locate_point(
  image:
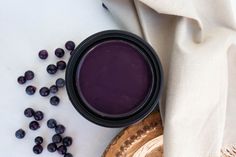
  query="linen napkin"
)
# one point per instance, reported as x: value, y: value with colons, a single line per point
x: 196, y: 43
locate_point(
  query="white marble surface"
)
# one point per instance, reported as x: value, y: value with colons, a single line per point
x: 26, y: 26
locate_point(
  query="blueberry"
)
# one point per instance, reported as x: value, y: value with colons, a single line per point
x: 51, y: 123
x: 60, y: 83
x: 44, y: 91
x: 68, y: 155
x: 53, y: 89
x: 29, y: 112
x: 38, y: 140
x: 59, y: 52
x: 38, y: 115
x: 67, y: 141
x: 61, y: 65
x: 62, y: 150
x: 54, y: 100
x: 60, y: 129
x: 34, y: 125
x: 20, y: 134
x: 51, y: 69
x: 30, y: 90
x: 52, y: 147
x: 70, y: 45
x: 21, y: 80
x: 56, y: 138
x: 29, y: 75
x: 37, y: 149
x: 43, y: 54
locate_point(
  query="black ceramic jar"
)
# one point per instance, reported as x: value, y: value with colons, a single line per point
x: 114, y: 78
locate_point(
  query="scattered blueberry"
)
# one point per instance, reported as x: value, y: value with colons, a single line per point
x: 43, y: 54
x: 29, y: 75
x: 52, y: 147
x: 38, y: 140
x: 20, y: 134
x: 51, y: 69
x: 56, y: 138
x: 29, y: 112
x: 38, y: 115
x: 21, y: 80
x: 62, y: 150
x: 68, y: 155
x: 51, y: 123
x: 70, y: 45
x: 34, y: 125
x: 30, y: 90
x: 60, y: 129
x: 37, y: 149
x: 54, y: 100
x: 67, y: 141
x: 59, y: 52
x: 61, y: 65
x: 60, y: 83
x: 44, y: 91
x: 54, y: 89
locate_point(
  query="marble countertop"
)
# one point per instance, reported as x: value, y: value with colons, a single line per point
x: 26, y: 27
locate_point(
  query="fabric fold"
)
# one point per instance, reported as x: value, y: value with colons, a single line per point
x: 193, y: 39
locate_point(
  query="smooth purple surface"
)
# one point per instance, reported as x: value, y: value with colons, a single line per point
x: 114, y: 78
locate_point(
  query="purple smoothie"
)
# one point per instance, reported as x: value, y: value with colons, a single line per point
x: 114, y: 78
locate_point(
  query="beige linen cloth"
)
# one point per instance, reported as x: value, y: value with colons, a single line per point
x: 196, y: 42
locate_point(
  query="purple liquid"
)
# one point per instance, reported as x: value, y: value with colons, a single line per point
x: 114, y: 78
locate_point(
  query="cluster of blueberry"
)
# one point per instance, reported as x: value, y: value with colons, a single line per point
x: 45, y: 91
x: 59, y: 143
x: 29, y: 75
x: 56, y: 139
x: 51, y: 69
x: 61, y: 65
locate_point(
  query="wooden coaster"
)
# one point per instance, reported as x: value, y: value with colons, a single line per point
x: 141, y: 139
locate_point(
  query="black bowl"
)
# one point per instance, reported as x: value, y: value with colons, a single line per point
x: 108, y: 120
